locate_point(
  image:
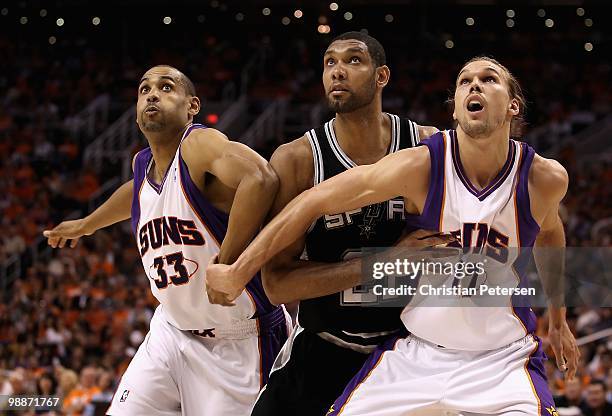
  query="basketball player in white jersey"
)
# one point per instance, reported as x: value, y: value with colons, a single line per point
x: 198, y: 358
x: 477, y: 361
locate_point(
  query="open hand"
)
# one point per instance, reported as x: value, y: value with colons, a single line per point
x: 67, y: 230
x: 565, y: 349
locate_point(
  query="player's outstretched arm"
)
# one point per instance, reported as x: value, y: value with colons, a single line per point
x: 114, y: 209
x: 238, y: 167
x: 355, y: 188
x: 548, y: 182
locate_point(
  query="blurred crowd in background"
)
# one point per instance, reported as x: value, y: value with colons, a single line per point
x: 71, y: 322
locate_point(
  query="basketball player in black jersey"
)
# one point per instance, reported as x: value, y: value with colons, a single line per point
x: 320, y: 270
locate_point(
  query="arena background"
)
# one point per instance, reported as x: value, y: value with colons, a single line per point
x: 71, y: 319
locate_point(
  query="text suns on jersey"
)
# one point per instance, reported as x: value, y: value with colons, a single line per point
x: 170, y: 268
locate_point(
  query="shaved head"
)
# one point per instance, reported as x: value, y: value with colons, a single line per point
x: 181, y: 78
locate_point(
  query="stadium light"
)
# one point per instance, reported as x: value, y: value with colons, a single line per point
x: 322, y: 20
x: 588, y: 46
x: 510, y: 23
x: 549, y: 22
x: 52, y: 40
x: 449, y: 44
x: 60, y: 22
x: 23, y: 20
x: 323, y: 29
x: 389, y: 18
x: 4, y: 11
x: 43, y: 13
x: 510, y: 13
x: 285, y: 20
x: 588, y: 22
x: 239, y: 17
x: 95, y: 21
x: 580, y: 11
x: 212, y: 118
x: 298, y: 14
x: 348, y: 16
x: 333, y: 6
x: 266, y: 11
x: 470, y: 21
x: 541, y: 12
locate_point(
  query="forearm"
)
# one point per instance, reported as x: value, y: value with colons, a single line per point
x: 306, y: 279
x: 289, y: 225
x: 114, y: 209
x: 252, y: 201
x: 549, y: 256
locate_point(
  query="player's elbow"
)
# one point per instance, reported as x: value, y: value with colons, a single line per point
x: 271, y: 278
x: 265, y: 179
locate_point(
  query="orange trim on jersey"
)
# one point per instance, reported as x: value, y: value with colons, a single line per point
x: 512, y: 306
x: 518, y: 232
x: 516, y: 213
x: 367, y: 376
x: 443, y: 181
x: 261, y: 367
x: 535, y: 393
x: 195, y: 210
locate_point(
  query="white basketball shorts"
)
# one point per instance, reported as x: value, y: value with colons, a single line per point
x: 410, y: 376
x: 177, y: 372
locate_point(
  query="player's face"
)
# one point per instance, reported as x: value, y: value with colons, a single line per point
x: 349, y: 76
x: 162, y: 100
x: 482, y: 101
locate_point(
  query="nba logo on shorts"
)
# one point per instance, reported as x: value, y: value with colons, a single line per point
x: 124, y: 396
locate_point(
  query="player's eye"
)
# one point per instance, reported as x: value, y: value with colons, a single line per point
x: 166, y: 87
x: 354, y: 60
x: 490, y: 79
x: 330, y: 61
x: 144, y: 89
x: 463, y: 81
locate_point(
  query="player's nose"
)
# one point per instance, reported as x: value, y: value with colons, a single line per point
x: 338, y: 73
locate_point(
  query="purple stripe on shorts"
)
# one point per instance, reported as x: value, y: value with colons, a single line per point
x: 363, y: 374
x: 537, y: 374
x: 140, y: 170
x: 273, y: 333
x: 430, y: 217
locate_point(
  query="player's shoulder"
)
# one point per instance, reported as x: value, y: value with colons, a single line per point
x: 294, y: 159
x: 426, y: 131
x: 548, y: 178
x: 296, y: 153
x: 207, y: 137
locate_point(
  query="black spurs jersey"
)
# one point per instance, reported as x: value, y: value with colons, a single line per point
x: 340, y: 318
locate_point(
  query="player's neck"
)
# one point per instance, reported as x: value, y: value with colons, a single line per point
x: 482, y: 158
x: 364, y: 134
x: 163, y: 147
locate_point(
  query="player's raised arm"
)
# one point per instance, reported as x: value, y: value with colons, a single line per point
x: 358, y: 187
x: 115, y: 209
x: 550, y: 181
x: 240, y: 168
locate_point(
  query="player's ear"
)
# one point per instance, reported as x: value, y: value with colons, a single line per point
x: 514, y: 107
x: 194, y: 105
x: 383, y: 73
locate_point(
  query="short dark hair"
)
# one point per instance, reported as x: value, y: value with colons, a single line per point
x: 375, y: 49
x: 598, y: 382
x: 183, y: 80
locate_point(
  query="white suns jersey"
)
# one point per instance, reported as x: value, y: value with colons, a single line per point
x: 177, y: 232
x: 495, y: 221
